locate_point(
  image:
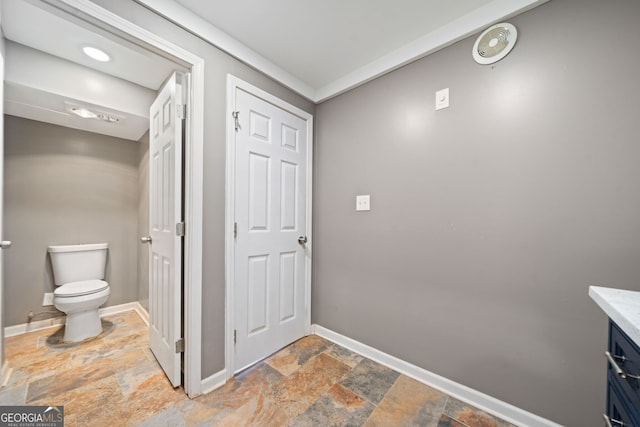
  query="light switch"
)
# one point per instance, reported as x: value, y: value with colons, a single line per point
x: 363, y: 203
x: 442, y: 99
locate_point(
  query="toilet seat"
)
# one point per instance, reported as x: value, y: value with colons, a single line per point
x: 84, y: 287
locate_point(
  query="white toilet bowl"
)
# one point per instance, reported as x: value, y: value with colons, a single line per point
x: 80, y: 301
x: 78, y: 271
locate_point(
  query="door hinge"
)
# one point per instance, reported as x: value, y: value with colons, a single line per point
x: 180, y: 346
x: 180, y: 228
x: 235, y: 336
x: 235, y: 230
x: 181, y: 110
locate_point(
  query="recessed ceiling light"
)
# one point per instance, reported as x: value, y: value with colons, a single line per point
x: 95, y: 53
x: 84, y: 113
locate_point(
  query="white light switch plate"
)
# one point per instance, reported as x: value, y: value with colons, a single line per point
x: 442, y: 99
x: 48, y: 299
x: 363, y: 203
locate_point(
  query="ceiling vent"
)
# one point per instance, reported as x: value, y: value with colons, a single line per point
x: 494, y: 43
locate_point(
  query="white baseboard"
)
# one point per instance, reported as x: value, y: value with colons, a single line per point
x: 121, y: 308
x: 482, y: 401
x: 5, y: 373
x: 11, y: 331
x: 142, y: 312
x: 214, y: 381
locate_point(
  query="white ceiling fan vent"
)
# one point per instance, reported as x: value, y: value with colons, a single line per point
x: 494, y: 43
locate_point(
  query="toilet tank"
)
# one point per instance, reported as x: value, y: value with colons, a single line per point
x: 73, y: 263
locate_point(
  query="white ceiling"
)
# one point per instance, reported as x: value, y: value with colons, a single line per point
x: 321, y: 41
x: 38, y: 28
x: 47, y: 72
x: 323, y: 48
x: 43, y: 87
x: 318, y: 49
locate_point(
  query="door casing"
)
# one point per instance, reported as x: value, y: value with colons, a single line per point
x: 193, y: 171
x: 4, y: 367
x: 234, y: 83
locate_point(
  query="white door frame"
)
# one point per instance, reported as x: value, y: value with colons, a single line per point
x: 193, y: 176
x: 234, y: 83
x: 4, y: 366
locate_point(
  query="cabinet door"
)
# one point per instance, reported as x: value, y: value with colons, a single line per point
x: 617, y: 406
x: 627, y: 356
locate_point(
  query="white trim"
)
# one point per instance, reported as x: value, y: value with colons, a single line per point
x: 482, y: 401
x: 194, y: 189
x: 234, y: 83
x: 193, y: 180
x: 229, y: 201
x: 2, y: 184
x: 444, y: 36
x: 5, y: 374
x: 189, y: 21
x: 142, y: 312
x: 23, y: 328
x: 436, y: 40
x: 121, y: 308
x: 213, y: 382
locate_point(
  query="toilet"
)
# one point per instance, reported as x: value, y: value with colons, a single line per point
x: 78, y: 272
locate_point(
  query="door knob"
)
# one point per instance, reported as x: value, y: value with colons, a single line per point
x: 302, y: 240
x: 146, y: 239
x: 5, y: 244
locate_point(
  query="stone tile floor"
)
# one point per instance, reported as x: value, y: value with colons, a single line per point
x: 114, y: 380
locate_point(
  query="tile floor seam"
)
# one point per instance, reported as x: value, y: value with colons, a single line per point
x: 143, y: 394
x: 444, y: 407
x: 457, y: 420
x: 356, y: 393
x: 24, y: 394
x: 334, y: 358
x: 383, y: 396
x: 344, y: 375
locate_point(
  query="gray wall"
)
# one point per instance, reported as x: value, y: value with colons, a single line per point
x: 143, y: 220
x: 64, y: 186
x: 489, y: 219
x: 217, y: 66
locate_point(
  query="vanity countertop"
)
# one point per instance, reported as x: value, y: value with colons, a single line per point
x: 623, y: 307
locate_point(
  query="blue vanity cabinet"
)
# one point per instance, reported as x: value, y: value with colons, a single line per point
x: 623, y: 379
x: 617, y: 413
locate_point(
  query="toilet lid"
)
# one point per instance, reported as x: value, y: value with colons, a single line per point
x: 85, y: 287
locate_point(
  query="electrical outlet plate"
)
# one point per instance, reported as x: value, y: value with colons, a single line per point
x: 48, y: 299
x: 363, y: 203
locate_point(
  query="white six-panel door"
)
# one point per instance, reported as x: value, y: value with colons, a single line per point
x: 270, y: 215
x: 165, y: 188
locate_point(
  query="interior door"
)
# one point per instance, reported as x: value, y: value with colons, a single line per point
x: 165, y: 206
x: 269, y: 253
x: 2, y: 243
